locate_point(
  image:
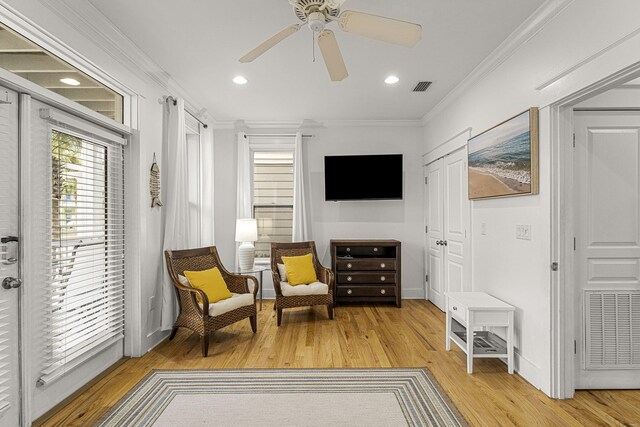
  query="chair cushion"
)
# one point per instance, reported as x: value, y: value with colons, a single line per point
x: 315, y: 288
x: 184, y: 281
x: 229, y: 304
x: 283, y: 272
x: 300, y: 269
x: 211, y: 282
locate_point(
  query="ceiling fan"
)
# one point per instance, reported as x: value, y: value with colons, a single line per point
x: 317, y: 14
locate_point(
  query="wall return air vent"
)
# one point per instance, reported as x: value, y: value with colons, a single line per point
x: 612, y: 329
x: 422, y: 86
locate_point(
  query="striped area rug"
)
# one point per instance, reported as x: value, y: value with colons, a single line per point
x: 286, y: 397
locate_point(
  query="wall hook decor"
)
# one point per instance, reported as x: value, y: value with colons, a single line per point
x: 154, y: 183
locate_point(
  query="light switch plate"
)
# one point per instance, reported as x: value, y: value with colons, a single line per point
x: 483, y: 228
x: 523, y: 231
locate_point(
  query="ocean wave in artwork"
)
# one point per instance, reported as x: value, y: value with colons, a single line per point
x: 510, y: 159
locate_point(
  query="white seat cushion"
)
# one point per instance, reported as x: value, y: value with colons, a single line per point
x: 282, y: 270
x: 229, y: 304
x: 315, y: 288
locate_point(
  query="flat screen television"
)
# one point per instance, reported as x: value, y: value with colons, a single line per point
x: 366, y: 177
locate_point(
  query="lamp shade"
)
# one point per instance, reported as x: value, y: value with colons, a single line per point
x: 246, y: 230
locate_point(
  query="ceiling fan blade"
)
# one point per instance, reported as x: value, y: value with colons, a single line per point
x: 265, y: 46
x: 332, y: 56
x: 380, y: 28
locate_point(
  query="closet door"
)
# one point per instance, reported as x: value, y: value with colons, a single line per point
x: 447, y: 216
x: 434, y: 179
x: 456, y: 222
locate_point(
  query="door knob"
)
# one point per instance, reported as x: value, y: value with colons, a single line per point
x: 439, y: 242
x: 11, y: 283
x: 444, y: 242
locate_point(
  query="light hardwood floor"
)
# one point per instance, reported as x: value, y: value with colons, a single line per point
x: 363, y: 337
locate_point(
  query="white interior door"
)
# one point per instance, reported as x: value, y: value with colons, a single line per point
x: 9, y: 254
x: 456, y: 222
x: 434, y: 174
x: 607, y: 178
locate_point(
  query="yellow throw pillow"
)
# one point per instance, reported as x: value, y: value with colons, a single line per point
x: 211, y: 282
x: 300, y: 270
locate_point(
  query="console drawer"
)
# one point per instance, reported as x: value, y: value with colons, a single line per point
x: 365, y: 265
x: 366, y: 291
x: 372, y: 277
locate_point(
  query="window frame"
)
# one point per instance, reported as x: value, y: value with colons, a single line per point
x: 46, y: 41
x: 271, y: 145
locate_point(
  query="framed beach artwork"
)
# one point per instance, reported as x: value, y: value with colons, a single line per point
x: 503, y: 161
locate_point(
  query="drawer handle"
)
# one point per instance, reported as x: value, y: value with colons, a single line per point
x: 348, y: 249
x: 349, y: 265
x: 383, y: 265
x: 375, y: 249
x: 349, y: 291
x: 382, y: 291
x: 455, y: 308
x: 383, y: 278
x: 349, y: 278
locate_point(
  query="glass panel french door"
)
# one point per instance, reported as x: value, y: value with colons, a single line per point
x: 9, y: 261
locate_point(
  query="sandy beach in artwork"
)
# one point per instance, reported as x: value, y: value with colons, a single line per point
x: 482, y: 183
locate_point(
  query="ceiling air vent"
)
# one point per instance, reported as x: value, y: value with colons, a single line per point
x: 422, y: 87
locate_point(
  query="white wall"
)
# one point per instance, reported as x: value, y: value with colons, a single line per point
x: 585, y: 42
x: 401, y: 220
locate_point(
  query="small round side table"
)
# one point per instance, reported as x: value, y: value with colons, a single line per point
x: 256, y: 271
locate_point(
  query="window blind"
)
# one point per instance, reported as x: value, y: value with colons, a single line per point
x: 85, y: 295
x: 272, y: 198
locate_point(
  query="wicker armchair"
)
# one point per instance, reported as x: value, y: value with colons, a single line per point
x: 325, y: 275
x: 197, y: 319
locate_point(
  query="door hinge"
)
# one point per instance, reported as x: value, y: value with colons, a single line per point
x: 426, y: 180
x: 426, y: 228
x: 574, y: 244
x: 574, y: 140
x: 554, y: 266
x: 575, y: 347
x: 426, y: 278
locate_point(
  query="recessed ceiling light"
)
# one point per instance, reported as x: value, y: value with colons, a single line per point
x: 391, y: 80
x: 69, y: 81
x: 239, y: 80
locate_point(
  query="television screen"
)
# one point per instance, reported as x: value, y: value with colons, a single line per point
x: 369, y: 177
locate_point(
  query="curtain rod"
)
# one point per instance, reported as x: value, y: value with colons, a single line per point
x: 274, y: 135
x: 174, y: 101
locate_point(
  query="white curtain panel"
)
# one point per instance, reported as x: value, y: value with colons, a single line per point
x: 243, y: 203
x: 244, y: 197
x: 301, y: 229
x: 176, y: 203
x: 208, y: 237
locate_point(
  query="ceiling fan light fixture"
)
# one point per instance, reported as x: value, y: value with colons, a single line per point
x: 240, y: 80
x: 317, y: 22
x: 391, y: 80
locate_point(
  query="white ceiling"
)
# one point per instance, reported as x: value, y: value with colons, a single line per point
x: 199, y: 42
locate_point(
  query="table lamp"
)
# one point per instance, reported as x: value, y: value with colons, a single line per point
x: 246, y: 234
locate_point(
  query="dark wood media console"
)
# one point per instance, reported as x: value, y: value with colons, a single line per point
x: 366, y: 271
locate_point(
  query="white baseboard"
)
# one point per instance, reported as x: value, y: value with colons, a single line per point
x: 155, y: 338
x: 406, y: 294
x: 413, y: 293
x: 529, y: 371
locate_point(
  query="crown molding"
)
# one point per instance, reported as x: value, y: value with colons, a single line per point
x: 311, y: 124
x: 85, y: 18
x: 525, y: 31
